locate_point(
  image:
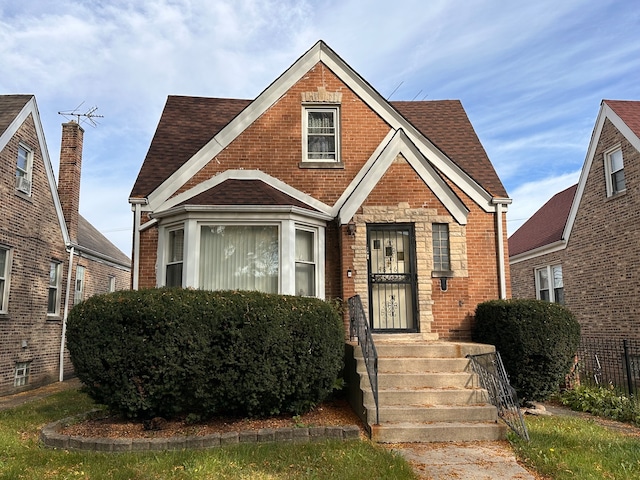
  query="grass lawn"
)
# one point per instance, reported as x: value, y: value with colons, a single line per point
x: 22, y: 457
x: 578, y: 448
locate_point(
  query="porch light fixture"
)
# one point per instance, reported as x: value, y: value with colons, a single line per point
x: 351, y: 229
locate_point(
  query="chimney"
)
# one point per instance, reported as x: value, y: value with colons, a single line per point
x: 69, y: 175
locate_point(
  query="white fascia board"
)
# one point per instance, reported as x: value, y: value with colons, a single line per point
x: 319, y: 52
x: 401, y: 144
x: 538, y: 252
x: 32, y: 108
x: 245, y: 175
x: 244, y: 212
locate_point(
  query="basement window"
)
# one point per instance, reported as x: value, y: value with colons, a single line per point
x: 21, y: 377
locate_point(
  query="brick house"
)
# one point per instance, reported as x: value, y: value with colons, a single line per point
x: 41, y: 233
x: 321, y: 187
x: 581, y: 247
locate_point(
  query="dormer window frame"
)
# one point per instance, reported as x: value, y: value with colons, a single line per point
x: 614, y: 171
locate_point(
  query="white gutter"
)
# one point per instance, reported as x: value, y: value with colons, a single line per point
x: 502, y: 277
x: 66, y: 313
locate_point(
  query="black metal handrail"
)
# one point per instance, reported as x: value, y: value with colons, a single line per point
x: 494, y: 379
x: 359, y: 328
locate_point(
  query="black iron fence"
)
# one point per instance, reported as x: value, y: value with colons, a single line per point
x: 608, y: 361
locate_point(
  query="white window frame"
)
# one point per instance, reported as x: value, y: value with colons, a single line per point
x: 169, y: 261
x: 24, y: 176
x: 609, y: 172
x: 287, y: 223
x: 21, y: 374
x: 112, y: 284
x: 306, y: 110
x: 549, y: 269
x: 58, y: 277
x: 78, y: 293
x: 5, y: 279
x: 438, y: 259
x: 314, y: 260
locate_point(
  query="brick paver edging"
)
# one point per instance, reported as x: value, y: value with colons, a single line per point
x: 51, y: 438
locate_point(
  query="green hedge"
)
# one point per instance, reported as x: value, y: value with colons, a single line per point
x: 165, y: 352
x: 536, y: 340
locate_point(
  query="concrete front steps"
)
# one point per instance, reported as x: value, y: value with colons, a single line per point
x: 426, y: 392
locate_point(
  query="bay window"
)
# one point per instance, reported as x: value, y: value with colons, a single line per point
x: 175, y: 253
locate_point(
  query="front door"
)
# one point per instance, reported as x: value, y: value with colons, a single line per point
x: 392, y: 277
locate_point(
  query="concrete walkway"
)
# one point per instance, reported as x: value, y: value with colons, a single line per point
x: 433, y: 461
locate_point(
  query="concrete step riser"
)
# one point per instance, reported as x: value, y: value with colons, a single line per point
x: 434, y: 414
x: 419, y: 380
x: 444, y: 350
x: 418, y: 365
x: 426, y: 397
x: 447, y: 432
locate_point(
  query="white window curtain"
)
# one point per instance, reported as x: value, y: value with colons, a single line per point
x: 239, y: 258
x: 321, y: 136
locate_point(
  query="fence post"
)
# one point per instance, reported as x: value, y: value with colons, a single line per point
x: 627, y: 361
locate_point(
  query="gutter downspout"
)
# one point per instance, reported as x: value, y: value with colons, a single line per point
x: 137, y: 209
x: 63, y: 337
x: 502, y: 276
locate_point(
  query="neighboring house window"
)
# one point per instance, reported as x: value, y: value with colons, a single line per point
x: 5, y: 261
x: 21, y: 376
x: 78, y: 294
x: 239, y: 257
x: 614, y: 168
x: 441, y: 247
x: 112, y: 284
x: 175, y: 259
x: 549, y: 284
x: 23, y: 169
x: 305, y: 263
x: 322, y: 134
x: 53, y: 303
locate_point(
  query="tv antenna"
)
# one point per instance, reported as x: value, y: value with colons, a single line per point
x: 80, y: 118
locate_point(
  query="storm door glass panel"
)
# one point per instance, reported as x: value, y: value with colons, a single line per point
x: 239, y: 258
x: 391, y: 279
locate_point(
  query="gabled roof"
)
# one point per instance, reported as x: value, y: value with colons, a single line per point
x: 176, y: 153
x: 14, y: 110
x: 545, y: 227
x: 527, y: 242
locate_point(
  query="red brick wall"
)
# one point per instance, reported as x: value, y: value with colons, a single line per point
x: 29, y: 226
x: 69, y: 177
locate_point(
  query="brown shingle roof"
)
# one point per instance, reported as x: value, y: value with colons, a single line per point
x: 446, y: 124
x: 245, y: 192
x: 188, y: 123
x: 10, y: 107
x: 92, y: 239
x: 628, y: 111
x: 545, y: 226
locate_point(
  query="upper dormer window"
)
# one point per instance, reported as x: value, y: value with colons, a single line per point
x: 23, y: 169
x: 614, y: 169
x: 321, y: 134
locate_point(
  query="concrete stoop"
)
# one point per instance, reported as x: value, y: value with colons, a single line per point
x: 426, y: 392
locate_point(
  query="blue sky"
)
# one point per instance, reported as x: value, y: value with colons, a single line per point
x: 530, y: 75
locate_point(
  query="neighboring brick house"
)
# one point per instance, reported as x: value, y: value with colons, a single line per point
x: 581, y: 248
x: 40, y: 232
x: 321, y: 187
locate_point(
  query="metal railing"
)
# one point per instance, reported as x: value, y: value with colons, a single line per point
x: 610, y: 362
x: 493, y: 378
x: 359, y: 328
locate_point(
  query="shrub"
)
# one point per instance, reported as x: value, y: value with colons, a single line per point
x: 602, y: 401
x: 164, y: 352
x: 536, y: 340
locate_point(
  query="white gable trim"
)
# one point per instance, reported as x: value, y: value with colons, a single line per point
x: 538, y: 252
x: 401, y: 144
x: 30, y: 108
x: 605, y: 113
x: 245, y: 175
x: 320, y: 52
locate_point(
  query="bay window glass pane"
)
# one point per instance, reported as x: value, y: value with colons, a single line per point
x: 176, y: 246
x: 304, y: 246
x: 305, y: 279
x: 239, y: 258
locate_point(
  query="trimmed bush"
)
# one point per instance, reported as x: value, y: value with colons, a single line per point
x: 537, y: 341
x: 165, y: 352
